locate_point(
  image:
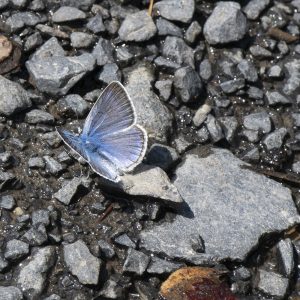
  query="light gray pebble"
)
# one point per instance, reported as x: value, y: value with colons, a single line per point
x: 7, y: 202
x: 16, y: 249
x: 275, y: 98
x: 103, y: 52
x: 214, y: 128
x: 68, y: 14
x: 109, y: 73
x: 38, y: 116
x: 166, y: 28
x: 95, y: 24
x: 192, y: 32
x: 72, y: 106
x: 52, y: 165
x: 81, y: 40
x: 248, y: 70
x: 10, y: 293
x: 136, y: 262
x: 274, y: 140
x: 165, y: 88
x: 258, y: 121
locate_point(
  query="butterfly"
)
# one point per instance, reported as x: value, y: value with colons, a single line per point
x: 111, y: 141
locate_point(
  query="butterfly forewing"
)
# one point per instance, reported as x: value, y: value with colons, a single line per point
x: 112, y: 112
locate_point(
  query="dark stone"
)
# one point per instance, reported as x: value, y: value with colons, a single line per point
x: 37, y: 116
x: 72, y: 106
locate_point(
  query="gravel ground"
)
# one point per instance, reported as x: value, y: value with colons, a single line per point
x: 215, y: 84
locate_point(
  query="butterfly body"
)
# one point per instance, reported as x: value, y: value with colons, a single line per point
x: 111, y: 141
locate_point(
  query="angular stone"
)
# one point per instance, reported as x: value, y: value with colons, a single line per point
x: 178, y: 51
x: 231, y: 86
x: 48, y: 49
x: 272, y: 284
x: 7, y: 202
x: 72, y: 106
x: 69, y: 190
x: 275, y: 98
x: 109, y: 73
x: 229, y: 125
x: 137, y: 27
x: 136, y: 262
x: 13, y: 98
x: 151, y: 113
x: 68, y: 14
x: 248, y: 70
x: 260, y: 52
x: 254, y: 8
x: 34, y: 271
x: 103, y: 52
x: 224, y: 201
x: 187, y: 84
x: 192, y: 32
x: 174, y: 10
x: 82, y: 263
x: 81, y: 40
x: 95, y: 24
x: 57, y: 74
x: 37, y: 116
x: 165, y: 88
x: 165, y: 27
x: 274, y: 140
x: 258, y: 121
x: 16, y: 249
x: 226, y: 24
x: 163, y: 266
x: 10, y: 293
x: 286, y: 259
x: 293, y: 82
x: 214, y: 128
x: 52, y: 165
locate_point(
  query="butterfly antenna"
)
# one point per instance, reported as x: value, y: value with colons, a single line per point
x: 150, y: 7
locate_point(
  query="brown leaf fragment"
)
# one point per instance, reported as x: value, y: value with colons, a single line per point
x: 282, y: 35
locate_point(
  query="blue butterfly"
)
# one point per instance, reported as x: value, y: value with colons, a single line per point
x: 111, y: 141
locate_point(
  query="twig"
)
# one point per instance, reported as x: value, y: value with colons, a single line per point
x: 150, y: 7
x: 106, y: 212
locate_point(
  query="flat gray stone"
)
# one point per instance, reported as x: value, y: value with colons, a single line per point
x: 254, y: 8
x: 10, y: 293
x: 293, y: 82
x: 274, y: 140
x: 148, y: 182
x: 258, y: 121
x: 13, y: 97
x: 34, y: 271
x: 137, y: 27
x: 68, y: 14
x: 226, y: 24
x: 229, y: 206
x: 38, y: 116
x: 50, y: 48
x: 285, y: 256
x: 16, y: 249
x: 136, y: 262
x: 103, y: 52
x: 275, y: 98
x: 175, y: 10
x: 82, y: 263
x: 162, y: 266
x: 57, y: 74
x: 151, y: 113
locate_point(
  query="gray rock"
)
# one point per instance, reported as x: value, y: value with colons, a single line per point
x: 37, y: 116
x: 231, y: 86
x: 203, y: 134
x: 6, y: 179
x: 52, y: 297
x: 136, y: 262
x: 162, y: 156
x: 95, y: 24
x: 19, y: 3
x: 214, y: 128
x: 68, y: 191
x: 242, y: 273
x: 275, y: 72
x: 272, y: 284
x: 64, y: 158
x: 296, y: 119
x: 57, y: 74
x: 205, y: 70
x: 68, y: 14
x: 162, y: 266
x: 103, y: 52
x: 251, y: 135
x: 3, y: 266
x: 106, y: 249
x: 124, y: 240
x: 52, y: 31
x: 248, y: 70
x: 275, y: 98
x: 83, y: 4
x: 109, y: 73
x: 166, y: 64
x: 52, y: 139
x: 285, y: 256
x: 182, y: 144
x: 293, y: 82
x: 151, y: 113
x: 274, y: 140
x: 174, y: 10
x: 165, y: 88
x: 33, y: 41
x: 178, y: 51
x: 165, y: 27
x: 229, y: 125
x: 149, y: 182
x: 137, y: 27
x: 6, y: 159
x: 81, y: 39
x: 3, y: 4
x: 16, y: 249
x: 36, y: 5
x: 7, y: 202
x: 254, y: 8
x: 258, y: 121
x: 237, y: 207
x: 260, y: 52
x: 187, y: 83
x: 114, y: 287
x: 82, y: 263
x: 34, y: 271
x: 10, y: 293
x: 255, y: 93
x: 13, y: 98
x: 296, y: 167
x: 201, y: 114
x: 48, y: 49
x: 20, y: 19
x: 72, y: 106
x: 36, y: 235
x: 52, y: 165
x: 226, y: 24
x: 192, y: 32
x: 41, y: 216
